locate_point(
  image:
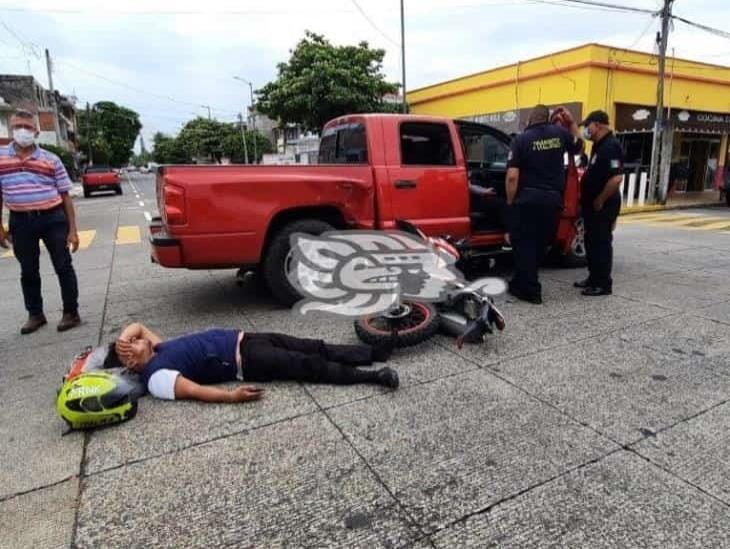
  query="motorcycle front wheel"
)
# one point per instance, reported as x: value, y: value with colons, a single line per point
x: 413, y: 322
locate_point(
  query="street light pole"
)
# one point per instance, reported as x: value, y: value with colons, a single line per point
x: 253, y: 117
x: 403, y: 54
x: 209, y: 111
x: 657, y: 186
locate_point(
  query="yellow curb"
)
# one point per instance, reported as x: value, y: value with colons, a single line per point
x: 663, y: 207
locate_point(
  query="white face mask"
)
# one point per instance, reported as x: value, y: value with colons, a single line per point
x: 23, y: 137
x: 586, y: 132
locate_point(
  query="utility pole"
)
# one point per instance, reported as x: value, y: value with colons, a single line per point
x: 243, y: 138
x: 88, y: 132
x: 252, y: 113
x: 403, y: 54
x: 54, y: 106
x: 209, y: 111
x: 656, y: 185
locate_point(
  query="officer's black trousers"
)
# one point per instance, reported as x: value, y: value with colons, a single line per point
x: 533, y: 227
x: 268, y: 357
x: 599, y: 242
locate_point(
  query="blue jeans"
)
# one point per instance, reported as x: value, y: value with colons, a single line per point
x: 27, y: 230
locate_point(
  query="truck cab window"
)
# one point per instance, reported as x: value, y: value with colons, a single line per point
x: 485, y: 150
x: 426, y: 144
x: 344, y: 144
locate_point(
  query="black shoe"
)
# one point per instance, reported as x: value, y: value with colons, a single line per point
x: 388, y: 377
x: 33, y: 323
x: 596, y: 291
x: 585, y: 283
x: 530, y: 298
x: 383, y: 349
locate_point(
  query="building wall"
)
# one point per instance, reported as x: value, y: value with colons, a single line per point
x: 597, y: 76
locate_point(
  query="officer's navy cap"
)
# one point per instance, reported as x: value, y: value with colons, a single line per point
x: 596, y: 116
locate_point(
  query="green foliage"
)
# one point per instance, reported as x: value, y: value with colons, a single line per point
x: 111, y: 130
x: 141, y: 159
x: 234, y: 149
x: 65, y: 156
x: 321, y: 81
x: 209, y: 140
x: 169, y: 150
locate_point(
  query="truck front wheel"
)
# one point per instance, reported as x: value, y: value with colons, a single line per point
x: 274, y: 264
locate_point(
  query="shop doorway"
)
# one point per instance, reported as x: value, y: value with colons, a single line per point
x: 699, y: 155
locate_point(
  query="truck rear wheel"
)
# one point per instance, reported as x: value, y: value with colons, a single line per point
x: 576, y: 257
x: 274, y: 264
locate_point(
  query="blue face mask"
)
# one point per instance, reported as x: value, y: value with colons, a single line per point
x: 586, y: 132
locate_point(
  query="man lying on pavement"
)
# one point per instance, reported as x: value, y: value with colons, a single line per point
x: 185, y: 367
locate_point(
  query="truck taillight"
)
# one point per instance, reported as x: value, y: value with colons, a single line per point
x: 174, y: 204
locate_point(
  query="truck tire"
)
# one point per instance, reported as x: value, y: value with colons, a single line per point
x: 274, y: 264
x: 420, y: 324
x: 576, y: 257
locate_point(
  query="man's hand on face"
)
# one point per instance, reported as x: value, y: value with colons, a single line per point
x: 246, y: 393
x: 124, y: 351
x: 73, y: 241
x: 5, y: 240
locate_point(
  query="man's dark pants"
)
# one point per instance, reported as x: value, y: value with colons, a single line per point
x: 27, y: 230
x: 533, y: 223
x: 268, y: 357
x: 599, y: 241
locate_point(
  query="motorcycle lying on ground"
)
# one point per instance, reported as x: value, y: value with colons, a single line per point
x: 467, y: 311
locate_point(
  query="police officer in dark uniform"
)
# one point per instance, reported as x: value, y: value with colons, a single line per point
x: 600, y: 202
x: 535, y: 184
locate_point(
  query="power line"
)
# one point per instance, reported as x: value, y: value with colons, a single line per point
x: 608, y: 5
x: 373, y: 25
x: 706, y: 28
x: 81, y: 11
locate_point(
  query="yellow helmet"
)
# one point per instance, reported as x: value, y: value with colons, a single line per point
x: 94, y: 399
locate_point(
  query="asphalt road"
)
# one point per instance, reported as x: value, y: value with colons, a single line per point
x: 588, y: 423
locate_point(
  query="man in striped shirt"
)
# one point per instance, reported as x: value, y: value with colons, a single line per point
x: 35, y: 189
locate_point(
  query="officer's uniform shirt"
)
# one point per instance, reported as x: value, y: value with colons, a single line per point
x: 538, y: 153
x: 607, y: 161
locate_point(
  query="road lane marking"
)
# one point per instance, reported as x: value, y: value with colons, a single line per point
x: 661, y: 218
x: 692, y: 222
x: 141, y: 203
x: 714, y: 226
x: 129, y: 234
x: 148, y: 216
x: 85, y: 239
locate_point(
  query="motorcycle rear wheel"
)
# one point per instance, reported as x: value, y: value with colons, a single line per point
x: 414, y: 323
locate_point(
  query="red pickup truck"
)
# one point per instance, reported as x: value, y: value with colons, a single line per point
x: 373, y: 169
x: 100, y: 178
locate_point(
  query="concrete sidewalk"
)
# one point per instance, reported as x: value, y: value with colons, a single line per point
x: 587, y: 423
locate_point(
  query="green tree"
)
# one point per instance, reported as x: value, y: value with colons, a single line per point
x: 111, y: 130
x: 204, y: 138
x: 233, y: 146
x: 169, y: 150
x: 321, y: 81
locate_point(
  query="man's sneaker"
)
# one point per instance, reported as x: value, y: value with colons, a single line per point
x: 585, y: 283
x: 595, y: 291
x: 68, y: 321
x: 388, y: 377
x: 33, y: 323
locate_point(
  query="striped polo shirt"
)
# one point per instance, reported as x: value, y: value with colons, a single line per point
x: 35, y: 183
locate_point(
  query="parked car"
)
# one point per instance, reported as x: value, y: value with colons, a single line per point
x: 100, y: 178
x: 373, y: 170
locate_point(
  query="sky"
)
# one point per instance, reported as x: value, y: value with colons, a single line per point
x: 166, y: 59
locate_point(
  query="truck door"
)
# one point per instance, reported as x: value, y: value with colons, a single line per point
x: 428, y: 182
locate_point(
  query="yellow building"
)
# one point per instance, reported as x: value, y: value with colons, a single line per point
x: 621, y: 82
